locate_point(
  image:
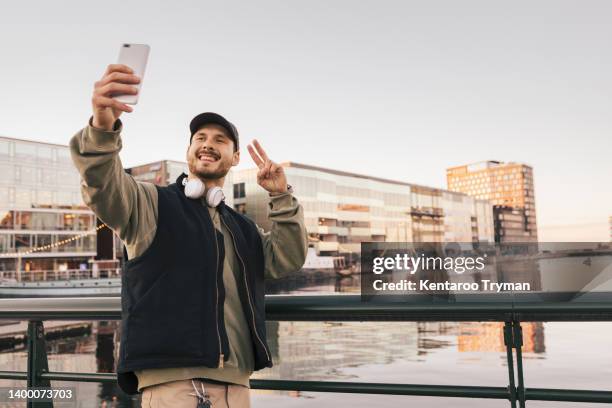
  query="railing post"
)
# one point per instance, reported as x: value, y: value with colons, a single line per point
x: 518, y: 345
x: 509, y: 356
x: 37, y: 361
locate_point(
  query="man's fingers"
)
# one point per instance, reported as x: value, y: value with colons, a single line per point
x: 260, y: 150
x: 260, y: 174
x: 118, y: 77
x: 258, y: 162
x: 100, y: 101
x: 267, y: 166
x: 115, y: 88
x: 118, y: 68
x: 264, y: 171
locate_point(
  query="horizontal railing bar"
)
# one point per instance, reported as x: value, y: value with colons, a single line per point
x: 325, y: 308
x: 80, y: 377
x: 544, y: 394
x: 350, y: 307
x: 14, y: 375
x: 383, y: 388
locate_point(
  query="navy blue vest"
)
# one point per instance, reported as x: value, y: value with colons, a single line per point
x: 172, y: 295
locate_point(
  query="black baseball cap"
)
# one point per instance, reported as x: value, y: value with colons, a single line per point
x: 211, y: 117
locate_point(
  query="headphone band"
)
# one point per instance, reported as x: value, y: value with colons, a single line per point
x: 196, y: 189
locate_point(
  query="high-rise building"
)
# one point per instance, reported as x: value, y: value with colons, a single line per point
x: 343, y: 209
x: 509, y: 186
x: 41, y: 207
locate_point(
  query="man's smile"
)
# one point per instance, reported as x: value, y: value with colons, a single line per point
x: 208, y: 157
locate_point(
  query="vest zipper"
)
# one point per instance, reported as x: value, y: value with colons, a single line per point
x: 247, y: 288
x: 220, y: 365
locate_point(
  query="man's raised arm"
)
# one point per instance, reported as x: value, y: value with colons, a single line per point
x: 286, y: 244
x: 125, y: 205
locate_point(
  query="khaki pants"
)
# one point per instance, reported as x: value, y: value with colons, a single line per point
x: 177, y: 394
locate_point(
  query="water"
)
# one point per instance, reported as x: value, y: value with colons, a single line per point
x: 556, y: 355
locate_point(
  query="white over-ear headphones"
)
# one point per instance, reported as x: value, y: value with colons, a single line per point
x: 195, y: 189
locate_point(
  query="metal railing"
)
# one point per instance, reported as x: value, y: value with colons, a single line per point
x: 332, y: 308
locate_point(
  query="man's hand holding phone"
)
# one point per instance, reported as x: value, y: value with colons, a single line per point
x: 118, y: 79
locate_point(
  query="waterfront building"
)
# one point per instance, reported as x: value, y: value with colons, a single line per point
x: 41, y: 206
x: 510, y: 187
x: 343, y: 209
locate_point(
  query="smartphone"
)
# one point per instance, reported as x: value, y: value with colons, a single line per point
x: 134, y: 56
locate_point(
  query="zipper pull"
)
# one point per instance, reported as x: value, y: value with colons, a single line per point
x: 221, y: 360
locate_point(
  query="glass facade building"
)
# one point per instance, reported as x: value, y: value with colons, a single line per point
x: 41, y: 206
x: 343, y: 209
x: 509, y: 186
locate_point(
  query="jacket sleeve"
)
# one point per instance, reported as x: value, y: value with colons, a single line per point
x: 286, y: 244
x: 127, y: 206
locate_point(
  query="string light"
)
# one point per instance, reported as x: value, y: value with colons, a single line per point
x: 54, y: 245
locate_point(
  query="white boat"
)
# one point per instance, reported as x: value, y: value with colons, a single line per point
x: 61, y: 288
x: 62, y: 283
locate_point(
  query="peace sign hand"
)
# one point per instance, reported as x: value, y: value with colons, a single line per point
x: 270, y: 176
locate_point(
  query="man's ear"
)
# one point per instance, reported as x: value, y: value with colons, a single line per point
x: 236, y: 158
x: 187, y: 153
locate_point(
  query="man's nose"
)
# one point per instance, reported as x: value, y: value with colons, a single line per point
x: 206, y: 145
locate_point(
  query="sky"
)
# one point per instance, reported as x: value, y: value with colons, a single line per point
x: 394, y: 89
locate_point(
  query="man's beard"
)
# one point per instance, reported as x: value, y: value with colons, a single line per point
x: 207, y: 174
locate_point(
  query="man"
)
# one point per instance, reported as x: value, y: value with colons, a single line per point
x: 193, y: 318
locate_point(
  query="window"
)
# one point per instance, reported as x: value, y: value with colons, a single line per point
x: 5, y: 148
x: 68, y: 177
x: 22, y: 241
x: 6, y: 172
x: 4, y: 197
x: 84, y: 222
x: 48, y: 177
x: 45, y: 153
x: 23, y: 197
x: 6, y: 243
x: 44, y: 198
x: 63, y: 198
x: 239, y: 190
x: 25, y: 150
x: 42, y: 240
x: 63, y: 155
x: 6, y: 220
x: 69, y: 221
x: 44, y: 221
x: 24, y: 220
x: 28, y: 175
